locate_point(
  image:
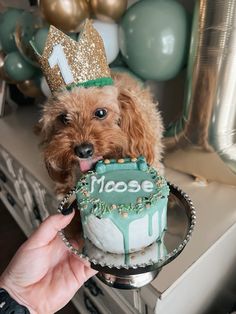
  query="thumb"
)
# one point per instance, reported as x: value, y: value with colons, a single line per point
x: 48, y: 230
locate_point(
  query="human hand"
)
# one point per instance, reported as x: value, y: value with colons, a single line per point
x: 44, y: 275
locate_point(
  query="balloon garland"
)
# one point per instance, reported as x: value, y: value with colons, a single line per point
x: 153, y: 37
x: 139, y: 40
x: 148, y: 40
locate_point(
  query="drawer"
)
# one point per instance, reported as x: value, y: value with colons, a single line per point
x: 2, y: 160
x: 6, y: 181
x: 131, y: 296
x: 29, y: 215
x: 16, y: 212
x: 87, y: 304
x: 29, y: 199
x: 106, y: 296
x: 46, y: 203
x: 7, y: 162
x: 12, y: 185
x: 149, y: 297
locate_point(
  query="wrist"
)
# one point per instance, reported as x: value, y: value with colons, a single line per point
x: 14, y: 296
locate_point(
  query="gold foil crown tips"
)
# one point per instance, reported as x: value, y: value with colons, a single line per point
x: 67, y: 63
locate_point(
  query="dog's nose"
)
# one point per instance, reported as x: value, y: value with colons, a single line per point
x: 84, y: 150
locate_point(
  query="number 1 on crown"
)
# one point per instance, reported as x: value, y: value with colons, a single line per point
x: 58, y: 57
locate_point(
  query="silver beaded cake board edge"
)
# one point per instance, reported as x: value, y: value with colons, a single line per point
x: 134, y: 275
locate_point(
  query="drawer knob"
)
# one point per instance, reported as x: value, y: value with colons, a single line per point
x: 93, y: 288
x: 3, y: 178
x: 11, y: 199
x: 90, y: 305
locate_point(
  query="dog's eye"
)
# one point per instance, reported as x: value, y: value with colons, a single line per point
x: 100, y: 113
x: 64, y: 118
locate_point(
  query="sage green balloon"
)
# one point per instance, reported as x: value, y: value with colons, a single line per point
x: 40, y: 37
x: 8, y: 22
x: 118, y: 62
x: 153, y: 38
x: 121, y: 69
x: 17, y: 68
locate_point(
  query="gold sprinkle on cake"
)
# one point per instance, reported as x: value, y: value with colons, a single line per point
x: 120, y: 161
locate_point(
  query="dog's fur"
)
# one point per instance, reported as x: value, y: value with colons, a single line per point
x: 132, y: 127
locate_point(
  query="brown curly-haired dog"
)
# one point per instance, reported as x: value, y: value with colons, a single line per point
x: 86, y: 124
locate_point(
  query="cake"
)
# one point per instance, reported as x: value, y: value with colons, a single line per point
x: 123, y: 205
x: 152, y: 254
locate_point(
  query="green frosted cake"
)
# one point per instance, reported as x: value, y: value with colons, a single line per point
x: 123, y: 205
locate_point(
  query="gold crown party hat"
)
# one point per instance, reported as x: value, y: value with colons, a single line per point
x: 67, y: 63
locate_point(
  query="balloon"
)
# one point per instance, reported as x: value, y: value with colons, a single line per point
x: 108, y: 10
x: 203, y: 142
x: 65, y: 15
x: 126, y: 70
x: 2, y: 57
x: 8, y: 24
x: 30, y: 88
x: 28, y: 25
x: 17, y: 68
x: 45, y: 88
x: 109, y: 34
x: 3, y: 75
x: 73, y: 36
x: 153, y: 38
x: 40, y: 38
x: 118, y: 62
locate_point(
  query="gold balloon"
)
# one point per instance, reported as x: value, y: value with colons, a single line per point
x: 3, y: 74
x: 67, y: 15
x: 29, y: 88
x: 108, y: 10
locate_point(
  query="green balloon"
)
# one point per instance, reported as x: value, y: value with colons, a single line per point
x: 27, y: 26
x: 17, y: 68
x: 8, y: 24
x: 118, y: 62
x: 40, y: 37
x: 153, y: 38
x: 73, y: 36
x: 121, y: 69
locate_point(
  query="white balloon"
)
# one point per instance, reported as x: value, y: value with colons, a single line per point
x: 109, y: 34
x: 45, y: 88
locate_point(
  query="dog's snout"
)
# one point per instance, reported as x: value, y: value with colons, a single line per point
x: 84, y: 150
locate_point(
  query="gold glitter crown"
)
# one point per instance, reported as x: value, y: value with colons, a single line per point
x: 67, y: 63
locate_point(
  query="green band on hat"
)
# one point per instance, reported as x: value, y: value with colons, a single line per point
x: 103, y: 81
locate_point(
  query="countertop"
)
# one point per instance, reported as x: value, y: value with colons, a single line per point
x: 214, y: 202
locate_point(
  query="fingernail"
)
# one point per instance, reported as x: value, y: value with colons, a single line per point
x: 67, y: 211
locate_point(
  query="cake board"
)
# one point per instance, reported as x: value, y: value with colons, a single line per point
x: 134, y: 270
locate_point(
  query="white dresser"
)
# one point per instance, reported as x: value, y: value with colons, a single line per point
x: 202, y: 277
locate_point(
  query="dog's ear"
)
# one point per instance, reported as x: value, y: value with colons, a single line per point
x: 44, y: 129
x: 134, y: 124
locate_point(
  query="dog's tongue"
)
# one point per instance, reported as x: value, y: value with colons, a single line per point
x: 87, y: 164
